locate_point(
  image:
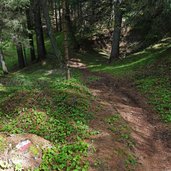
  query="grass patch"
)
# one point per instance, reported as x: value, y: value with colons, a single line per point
x: 158, y: 91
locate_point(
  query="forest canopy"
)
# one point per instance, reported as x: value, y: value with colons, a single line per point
x: 137, y: 24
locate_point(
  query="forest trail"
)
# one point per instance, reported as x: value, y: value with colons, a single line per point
x: 152, y: 144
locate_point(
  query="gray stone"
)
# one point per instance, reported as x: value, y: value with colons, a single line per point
x: 21, y: 151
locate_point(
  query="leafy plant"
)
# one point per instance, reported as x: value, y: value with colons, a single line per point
x: 66, y: 157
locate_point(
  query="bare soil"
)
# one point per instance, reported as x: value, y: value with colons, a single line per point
x: 152, y: 137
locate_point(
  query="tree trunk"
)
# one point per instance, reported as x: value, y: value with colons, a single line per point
x: 60, y: 19
x: 2, y: 62
x: 30, y: 35
x: 25, y: 55
x: 93, y: 8
x: 50, y: 31
x: 39, y: 31
x: 21, y: 61
x: 65, y: 31
x: 56, y: 17
x: 112, y: 12
x: 75, y: 44
x: 116, y: 33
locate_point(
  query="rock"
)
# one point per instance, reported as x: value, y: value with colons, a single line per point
x: 21, y: 151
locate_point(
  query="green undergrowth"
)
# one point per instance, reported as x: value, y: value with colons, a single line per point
x: 149, y: 69
x: 66, y: 157
x: 40, y: 101
x: 158, y: 91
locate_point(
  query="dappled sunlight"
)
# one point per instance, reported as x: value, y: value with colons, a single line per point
x: 164, y: 43
x: 44, y: 78
x: 94, y: 65
x: 133, y: 115
x: 96, y: 92
x: 130, y: 64
x: 105, y: 103
x: 104, y: 54
x: 159, y: 46
x: 83, y: 87
x: 76, y: 63
x: 2, y: 88
x: 50, y: 72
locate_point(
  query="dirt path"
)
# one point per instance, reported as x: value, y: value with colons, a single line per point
x: 152, y: 139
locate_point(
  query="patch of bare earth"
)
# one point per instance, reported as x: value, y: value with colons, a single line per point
x: 152, y: 138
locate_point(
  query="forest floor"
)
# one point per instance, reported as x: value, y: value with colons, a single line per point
x: 132, y: 136
x: 135, y: 141
x: 106, y: 118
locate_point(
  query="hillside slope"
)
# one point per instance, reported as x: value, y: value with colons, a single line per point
x: 149, y: 70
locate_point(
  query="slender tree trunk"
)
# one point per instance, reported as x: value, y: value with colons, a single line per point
x: 81, y: 9
x: 65, y: 31
x: 21, y: 61
x: 93, y: 8
x: 80, y: 22
x: 110, y: 22
x: 39, y: 31
x: 50, y: 31
x: 30, y: 35
x: 116, y: 33
x: 75, y: 44
x: 25, y: 55
x: 78, y: 10
x: 60, y: 19
x: 2, y: 62
x: 56, y: 17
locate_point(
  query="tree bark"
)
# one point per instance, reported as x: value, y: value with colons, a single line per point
x: 65, y: 31
x: 93, y: 8
x: 21, y: 61
x: 30, y: 35
x: 60, y: 19
x: 116, y: 33
x: 2, y: 62
x: 50, y: 30
x: 41, y: 51
x: 25, y: 55
x: 56, y: 17
x: 75, y: 44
